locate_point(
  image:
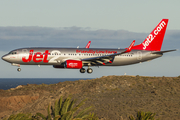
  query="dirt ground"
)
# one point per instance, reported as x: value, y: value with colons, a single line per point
x: 113, y: 97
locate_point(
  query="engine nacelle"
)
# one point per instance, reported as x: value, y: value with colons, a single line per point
x: 73, y: 64
x: 58, y: 66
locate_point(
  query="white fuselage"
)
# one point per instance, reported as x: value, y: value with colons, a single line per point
x: 57, y: 56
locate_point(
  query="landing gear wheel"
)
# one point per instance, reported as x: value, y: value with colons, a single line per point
x: 89, y: 70
x: 19, y: 69
x: 82, y: 70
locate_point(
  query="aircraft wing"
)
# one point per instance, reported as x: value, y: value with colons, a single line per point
x: 106, y: 59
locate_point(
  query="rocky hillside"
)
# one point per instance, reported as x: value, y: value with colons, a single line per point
x: 113, y: 97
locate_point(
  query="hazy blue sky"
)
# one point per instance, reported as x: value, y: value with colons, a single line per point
x: 131, y: 15
x: 43, y: 22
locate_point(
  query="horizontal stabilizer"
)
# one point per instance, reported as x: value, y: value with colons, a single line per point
x: 161, y: 52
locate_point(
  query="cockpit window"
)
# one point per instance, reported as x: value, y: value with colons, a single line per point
x: 13, y: 52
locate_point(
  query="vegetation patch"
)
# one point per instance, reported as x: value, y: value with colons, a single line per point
x: 112, y: 97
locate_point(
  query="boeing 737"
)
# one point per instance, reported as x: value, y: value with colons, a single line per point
x: 77, y: 58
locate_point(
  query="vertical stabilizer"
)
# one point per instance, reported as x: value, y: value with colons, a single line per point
x: 154, y: 40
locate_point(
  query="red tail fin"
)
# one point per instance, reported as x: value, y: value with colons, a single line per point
x: 154, y: 40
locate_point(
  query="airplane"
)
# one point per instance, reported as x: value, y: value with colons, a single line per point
x: 78, y: 58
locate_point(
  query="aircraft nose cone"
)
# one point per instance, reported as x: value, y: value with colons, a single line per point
x: 4, y: 58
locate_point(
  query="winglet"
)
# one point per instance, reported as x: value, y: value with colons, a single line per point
x: 88, y: 45
x: 130, y: 47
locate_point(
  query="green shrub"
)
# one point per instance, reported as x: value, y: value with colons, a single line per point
x: 143, y: 116
x: 64, y: 110
x: 19, y: 116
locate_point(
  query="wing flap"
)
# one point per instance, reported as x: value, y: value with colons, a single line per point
x: 107, y: 59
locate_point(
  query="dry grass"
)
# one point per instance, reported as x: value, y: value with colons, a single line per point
x: 112, y: 96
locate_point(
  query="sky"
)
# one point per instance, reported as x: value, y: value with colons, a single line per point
x: 72, y: 23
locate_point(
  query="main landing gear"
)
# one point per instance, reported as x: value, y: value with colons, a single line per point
x: 82, y: 70
x: 89, y: 70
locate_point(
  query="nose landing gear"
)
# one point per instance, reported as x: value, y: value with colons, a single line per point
x: 18, y: 65
x: 19, y: 69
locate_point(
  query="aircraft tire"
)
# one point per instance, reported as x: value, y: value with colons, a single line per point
x: 82, y: 70
x: 19, y: 69
x: 89, y: 70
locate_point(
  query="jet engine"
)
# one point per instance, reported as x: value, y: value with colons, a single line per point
x: 73, y: 64
x: 58, y: 66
